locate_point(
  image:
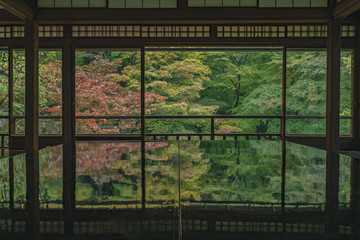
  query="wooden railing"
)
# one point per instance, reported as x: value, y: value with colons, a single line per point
x: 172, y: 136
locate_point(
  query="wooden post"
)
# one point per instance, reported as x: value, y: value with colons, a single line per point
x: 68, y: 91
x: 68, y: 122
x: 332, y: 3
x: 356, y: 93
x: 32, y: 127
x: 283, y: 81
x: 283, y: 131
x: 181, y: 4
x: 212, y: 128
x: 11, y: 95
x: 32, y: 86
x: 143, y: 162
x: 332, y: 126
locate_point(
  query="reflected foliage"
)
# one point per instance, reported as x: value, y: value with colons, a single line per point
x: 199, y: 172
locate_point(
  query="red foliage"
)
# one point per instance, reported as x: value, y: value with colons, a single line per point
x: 99, y: 94
x: 101, y: 161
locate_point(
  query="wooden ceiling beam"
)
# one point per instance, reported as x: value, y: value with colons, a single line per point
x: 9, y: 18
x: 18, y: 8
x: 182, y: 16
x: 346, y: 8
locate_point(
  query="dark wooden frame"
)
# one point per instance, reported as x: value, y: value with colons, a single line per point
x: 215, y: 42
x: 181, y: 15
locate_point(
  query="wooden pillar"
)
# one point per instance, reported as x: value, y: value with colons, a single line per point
x: 332, y: 126
x: 143, y: 191
x: 283, y: 131
x: 68, y: 122
x: 32, y: 86
x: 356, y: 93
x: 11, y: 94
x: 212, y: 128
x: 181, y: 4
x: 32, y: 127
x: 332, y: 3
x: 283, y: 81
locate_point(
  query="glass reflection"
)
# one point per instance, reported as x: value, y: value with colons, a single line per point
x: 19, y: 181
x: 4, y: 183
x: 108, y: 175
x: 186, y: 182
x: 305, y: 176
x: 51, y: 177
x: 231, y: 172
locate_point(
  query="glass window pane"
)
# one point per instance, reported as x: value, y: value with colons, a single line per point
x: 4, y: 83
x: 20, y: 125
x: 50, y: 91
x: 116, y: 3
x: 107, y: 84
x: 45, y: 3
x: 196, y: 3
x: 213, y: 3
x: 231, y: 3
x: 151, y: 3
x: 345, y: 91
x: 284, y: 3
x: 168, y: 3
x: 52, y: 126
x: 63, y: 3
x: 133, y: 3
x: 248, y: 3
x: 306, y: 126
x: 242, y: 82
x: 266, y: 3
x: 4, y: 183
x: 19, y: 181
x: 161, y: 183
x: 4, y: 126
x: 19, y: 83
x: 51, y: 177
x: 109, y: 180
x: 263, y: 125
x: 50, y: 86
x: 301, y: 3
x: 319, y: 3
x: 80, y: 3
x: 305, y: 176
x: 236, y: 172
x: 98, y: 3
x: 345, y: 179
x: 345, y: 126
x: 306, y: 83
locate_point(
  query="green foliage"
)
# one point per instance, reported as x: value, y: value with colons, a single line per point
x: 238, y: 82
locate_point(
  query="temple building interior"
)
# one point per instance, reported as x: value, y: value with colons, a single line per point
x: 179, y: 119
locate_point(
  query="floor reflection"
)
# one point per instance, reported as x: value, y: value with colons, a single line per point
x: 193, y: 189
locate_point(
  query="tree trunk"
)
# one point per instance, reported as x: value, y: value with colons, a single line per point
x: 237, y: 91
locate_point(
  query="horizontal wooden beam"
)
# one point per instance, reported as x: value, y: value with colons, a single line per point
x: 183, y: 16
x: 345, y: 8
x: 18, y: 8
x: 124, y: 43
x: 8, y: 18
